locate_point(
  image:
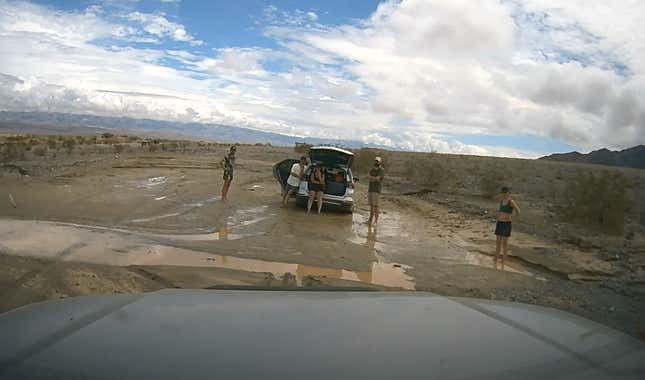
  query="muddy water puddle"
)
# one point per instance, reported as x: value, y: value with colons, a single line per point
x: 396, y: 236
x: 113, y: 246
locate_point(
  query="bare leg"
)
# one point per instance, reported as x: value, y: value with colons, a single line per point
x: 369, y: 222
x: 320, y: 201
x: 505, y: 248
x: 227, y: 184
x: 498, y: 246
x: 376, y: 212
x: 310, y: 202
x: 285, y: 197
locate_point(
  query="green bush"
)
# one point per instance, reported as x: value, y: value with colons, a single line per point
x: 598, y: 201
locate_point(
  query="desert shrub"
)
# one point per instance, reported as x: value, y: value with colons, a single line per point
x: 107, y: 135
x: 430, y: 173
x: 489, y: 184
x: 133, y: 138
x: 153, y: 148
x: 80, y: 140
x: 52, y: 143
x: 118, y: 148
x: 597, y: 201
x: 302, y: 148
x: 13, y: 151
x: 364, y: 160
x: 68, y: 145
x: 40, y: 151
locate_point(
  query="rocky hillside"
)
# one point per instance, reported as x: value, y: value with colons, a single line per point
x: 629, y: 158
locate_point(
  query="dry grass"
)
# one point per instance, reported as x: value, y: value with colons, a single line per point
x: 597, y: 200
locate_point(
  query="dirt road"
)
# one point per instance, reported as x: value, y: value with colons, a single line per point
x: 149, y: 221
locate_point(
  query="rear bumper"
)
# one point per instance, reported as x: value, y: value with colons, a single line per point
x: 345, y: 201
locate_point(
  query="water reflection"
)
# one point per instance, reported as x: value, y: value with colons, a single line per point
x: 370, y: 241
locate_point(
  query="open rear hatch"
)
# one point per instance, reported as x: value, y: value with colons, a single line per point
x: 331, y: 157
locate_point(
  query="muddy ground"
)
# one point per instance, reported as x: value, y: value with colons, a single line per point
x: 132, y: 222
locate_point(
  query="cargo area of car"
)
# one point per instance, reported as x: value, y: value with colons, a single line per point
x: 336, y: 180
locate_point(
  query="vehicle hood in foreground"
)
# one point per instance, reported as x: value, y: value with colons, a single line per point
x: 232, y: 334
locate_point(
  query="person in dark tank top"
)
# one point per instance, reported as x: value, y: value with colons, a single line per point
x: 504, y: 222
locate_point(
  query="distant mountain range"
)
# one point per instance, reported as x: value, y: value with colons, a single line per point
x: 63, y: 123
x: 629, y: 158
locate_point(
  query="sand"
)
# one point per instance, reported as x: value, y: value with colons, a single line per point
x: 146, y: 221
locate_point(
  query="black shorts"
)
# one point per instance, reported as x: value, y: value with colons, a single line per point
x: 503, y: 229
x: 315, y: 187
x: 228, y: 174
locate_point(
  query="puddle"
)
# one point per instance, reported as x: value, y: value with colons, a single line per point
x: 153, y: 218
x: 184, y: 209
x: 103, y: 245
x: 152, y: 182
x: 379, y: 274
x: 221, y: 234
x: 247, y: 217
x: 393, y: 237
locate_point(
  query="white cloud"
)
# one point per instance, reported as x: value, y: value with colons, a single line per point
x: 158, y: 25
x: 411, y: 74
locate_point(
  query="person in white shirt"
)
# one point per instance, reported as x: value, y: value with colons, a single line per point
x: 293, y: 182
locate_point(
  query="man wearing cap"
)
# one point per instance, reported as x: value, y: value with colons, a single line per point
x: 376, y: 175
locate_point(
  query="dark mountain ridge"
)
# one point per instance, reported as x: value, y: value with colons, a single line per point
x: 633, y: 157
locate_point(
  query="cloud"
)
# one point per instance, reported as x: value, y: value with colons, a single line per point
x: 158, y: 25
x: 408, y: 76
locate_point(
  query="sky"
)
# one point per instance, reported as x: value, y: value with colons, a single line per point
x: 516, y: 78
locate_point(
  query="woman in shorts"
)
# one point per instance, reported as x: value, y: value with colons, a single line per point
x: 316, y: 186
x: 503, y: 226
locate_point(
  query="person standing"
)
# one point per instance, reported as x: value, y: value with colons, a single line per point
x: 293, y: 182
x: 376, y: 176
x: 316, y: 187
x: 504, y: 219
x: 228, y: 164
